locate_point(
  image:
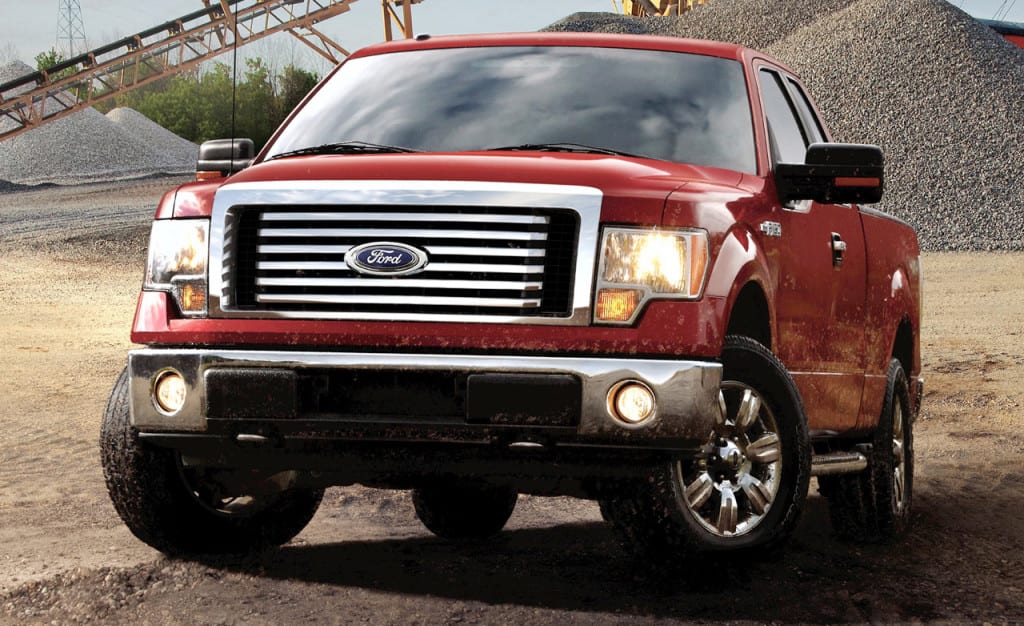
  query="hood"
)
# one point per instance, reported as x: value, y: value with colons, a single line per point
x: 634, y: 190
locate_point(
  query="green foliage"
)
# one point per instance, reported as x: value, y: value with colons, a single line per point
x: 197, y: 106
x: 46, y: 60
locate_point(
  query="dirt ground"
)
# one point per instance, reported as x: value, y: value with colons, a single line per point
x: 70, y: 267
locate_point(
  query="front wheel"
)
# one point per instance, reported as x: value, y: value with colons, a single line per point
x: 178, y: 509
x: 747, y: 487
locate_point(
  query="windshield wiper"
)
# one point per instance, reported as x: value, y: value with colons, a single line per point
x: 344, y: 147
x: 568, y: 147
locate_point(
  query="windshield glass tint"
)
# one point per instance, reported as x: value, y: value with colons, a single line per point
x: 665, y: 105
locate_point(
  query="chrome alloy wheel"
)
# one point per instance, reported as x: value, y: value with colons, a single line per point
x: 899, y: 453
x: 731, y: 487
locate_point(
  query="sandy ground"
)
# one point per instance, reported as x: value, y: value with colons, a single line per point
x: 70, y: 267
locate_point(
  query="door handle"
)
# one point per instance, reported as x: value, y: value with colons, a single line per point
x: 838, y: 250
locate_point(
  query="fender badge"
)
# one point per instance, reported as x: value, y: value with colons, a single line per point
x: 771, y: 229
x: 386, y: 258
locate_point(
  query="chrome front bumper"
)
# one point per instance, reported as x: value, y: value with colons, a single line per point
x: 686, y: 394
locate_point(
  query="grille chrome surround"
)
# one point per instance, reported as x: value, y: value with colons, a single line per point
x: 506, y: 225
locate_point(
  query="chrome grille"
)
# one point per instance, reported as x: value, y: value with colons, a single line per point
x: 493, y: 261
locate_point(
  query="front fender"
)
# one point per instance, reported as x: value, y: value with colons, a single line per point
x: 741, y: 261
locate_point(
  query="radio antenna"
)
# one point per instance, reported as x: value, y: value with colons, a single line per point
x: 234, y: 73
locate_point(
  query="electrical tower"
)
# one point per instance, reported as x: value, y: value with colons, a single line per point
x: 70, y: 29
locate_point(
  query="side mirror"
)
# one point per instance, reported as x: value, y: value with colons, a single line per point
x: 833, y: 173
x: 223, y: 157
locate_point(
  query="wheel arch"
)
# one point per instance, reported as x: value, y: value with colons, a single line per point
x: 750, y: 315
x: 741, y: 276
x: 903, y: 346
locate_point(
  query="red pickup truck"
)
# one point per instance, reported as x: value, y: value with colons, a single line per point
x: 630, y: 269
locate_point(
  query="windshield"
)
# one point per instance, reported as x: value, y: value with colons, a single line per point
x: 664, y: 105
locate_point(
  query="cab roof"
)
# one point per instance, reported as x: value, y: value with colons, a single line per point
x: 596, y: 40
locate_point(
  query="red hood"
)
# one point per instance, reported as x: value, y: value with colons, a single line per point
x: 634, y: 190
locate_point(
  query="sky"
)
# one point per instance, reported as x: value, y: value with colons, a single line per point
x: 31, y: 27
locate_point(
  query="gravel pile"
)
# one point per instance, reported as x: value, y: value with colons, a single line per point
x: 176, y: 149
x: 941, y: 93
x: 87, y: 146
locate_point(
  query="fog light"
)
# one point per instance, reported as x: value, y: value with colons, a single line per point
x: 169, y: 392
x: 632, y: 402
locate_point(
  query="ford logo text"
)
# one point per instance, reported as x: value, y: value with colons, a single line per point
x: 386, y: 258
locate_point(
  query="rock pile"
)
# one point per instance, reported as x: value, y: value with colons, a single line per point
x: 176, y: 150
x: 941, y: 93
x: 88, y: 146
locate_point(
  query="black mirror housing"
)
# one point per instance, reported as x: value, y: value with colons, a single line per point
x: 833, y: 173
x: 224, y: 156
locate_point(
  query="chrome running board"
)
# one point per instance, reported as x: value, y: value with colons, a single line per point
x: 838, y: 463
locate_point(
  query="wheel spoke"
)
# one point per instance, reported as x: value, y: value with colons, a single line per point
x: 897, y: 489
x: 767, y: 449
x: 728, y: 510
x: 758, y: 494
x: 897, y: 420
x: 723, y: 411
x: 698, y: 492
x: 750, y: 408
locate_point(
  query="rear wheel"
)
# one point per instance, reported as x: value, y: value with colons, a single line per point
x: 461, y: 511
x: 874, y: 505
x: 747, y: 487
x: 179, y: 509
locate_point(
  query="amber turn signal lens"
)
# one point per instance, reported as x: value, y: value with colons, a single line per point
x: 617, y: 305
x: 193, y: 298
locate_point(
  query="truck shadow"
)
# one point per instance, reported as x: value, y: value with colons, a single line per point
x: 580, y: 567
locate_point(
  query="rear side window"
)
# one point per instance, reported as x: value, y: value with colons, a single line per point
x: 787, y: 136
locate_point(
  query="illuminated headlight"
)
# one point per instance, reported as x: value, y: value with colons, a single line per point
x: 639, y: 265
x: 178, y: 251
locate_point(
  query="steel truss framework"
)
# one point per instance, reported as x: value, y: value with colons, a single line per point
x: 658, y: 7
x: 173, y: 47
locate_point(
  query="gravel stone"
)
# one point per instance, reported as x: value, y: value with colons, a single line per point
x: 941, y: 93
x: 87, y: 146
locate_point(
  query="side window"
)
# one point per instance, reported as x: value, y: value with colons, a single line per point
x: 803, y: 104
x: 787, y: 136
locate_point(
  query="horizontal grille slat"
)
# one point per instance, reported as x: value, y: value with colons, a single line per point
x: 480, y: 260
x: 403, y: 283
x: 398, y: 300
x: 471, y: 218
x: 463, y: 268
x: 529, y: 253
x: 404, y: 233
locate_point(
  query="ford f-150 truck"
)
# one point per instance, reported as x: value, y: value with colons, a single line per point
x: 630, y: 269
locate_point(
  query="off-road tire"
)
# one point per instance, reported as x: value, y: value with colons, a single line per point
x: 863, y: 506
x: 652, y: 518
x: 148, y: 488
x: 464, y: 511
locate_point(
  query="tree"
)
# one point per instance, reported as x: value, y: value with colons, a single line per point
x: 51, y: 58
x: 198, y: 106
x: 293, y: 83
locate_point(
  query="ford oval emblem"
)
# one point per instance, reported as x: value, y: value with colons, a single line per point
x: 386, y: 258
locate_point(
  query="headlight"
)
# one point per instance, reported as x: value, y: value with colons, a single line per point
x: 639, y: 265
x: 178, y: 250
